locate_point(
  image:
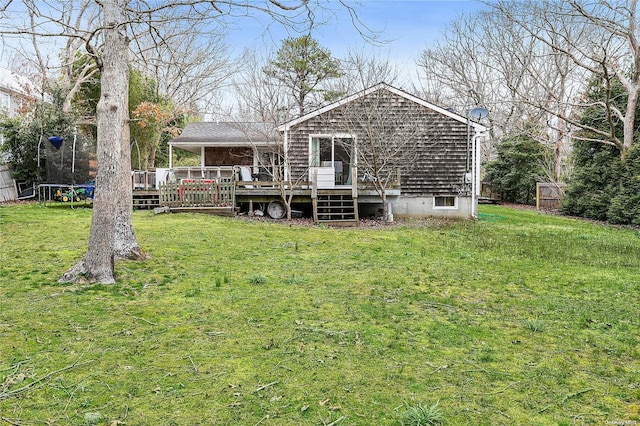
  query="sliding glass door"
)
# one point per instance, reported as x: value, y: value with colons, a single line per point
x: 337, y: 152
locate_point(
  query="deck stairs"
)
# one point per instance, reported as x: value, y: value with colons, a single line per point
x: 148, y: 199
x: 336, y: 208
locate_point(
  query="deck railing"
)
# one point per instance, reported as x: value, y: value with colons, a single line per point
x: 202, y: 193
x: 230, y: 176
x: 144, y: 180
x: 149, y: 180
x: 206, y: 172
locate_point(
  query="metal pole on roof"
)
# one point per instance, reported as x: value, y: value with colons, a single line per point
x: 468, y: 139
x: 73, y: 153
x: 39, y: 143
x: 135, y: 142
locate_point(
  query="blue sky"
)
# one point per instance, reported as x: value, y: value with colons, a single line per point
x: 408, y: 25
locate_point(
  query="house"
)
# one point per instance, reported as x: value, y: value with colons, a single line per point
x: 379, y: 150
x: 14, y: 91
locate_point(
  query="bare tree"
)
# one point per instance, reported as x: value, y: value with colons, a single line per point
x: 485, y: 59
x: 189, y: 67
x: 387, y: 138
x: 80, y: 31
x: 359, y: 72
x: 264, y: 99
x: 108, y: 43
x: 536, y: 58
x: 259, y: 96
x: 75, y: 68
x: 601, y: 39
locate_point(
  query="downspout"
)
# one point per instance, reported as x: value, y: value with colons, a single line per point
x: 474, y: 213
x: 475, y: 175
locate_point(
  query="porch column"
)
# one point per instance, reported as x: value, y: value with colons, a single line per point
x: 170, y: 156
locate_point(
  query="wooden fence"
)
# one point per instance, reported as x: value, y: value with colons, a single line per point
x: 549, y: 195
x: 203, y: 193
x: 7, y: 186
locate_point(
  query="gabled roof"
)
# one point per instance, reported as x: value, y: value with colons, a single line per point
x: 224, y: 134
x: 380, y: 86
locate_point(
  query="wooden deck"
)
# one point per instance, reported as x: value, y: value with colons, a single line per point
x: 146, y: 199
x: 336, y: 206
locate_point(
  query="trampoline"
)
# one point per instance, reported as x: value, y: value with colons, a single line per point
x: 64, y: 192
x: 61, y: 169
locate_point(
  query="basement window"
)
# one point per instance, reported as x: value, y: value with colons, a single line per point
x: 445, y: 202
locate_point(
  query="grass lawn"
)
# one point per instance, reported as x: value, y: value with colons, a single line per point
x: 516, y: 319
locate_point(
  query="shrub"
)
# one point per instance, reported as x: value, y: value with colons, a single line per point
x: 625, y: 206
x: 594, y: 181
x: 422, y: 415
x: 258, y: 279
x: 519, y: 165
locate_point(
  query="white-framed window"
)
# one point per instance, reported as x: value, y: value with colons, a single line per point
x: 445, y: 202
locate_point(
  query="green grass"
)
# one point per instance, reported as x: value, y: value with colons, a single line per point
x: 516, y: 319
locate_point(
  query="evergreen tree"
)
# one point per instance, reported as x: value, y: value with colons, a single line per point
x: 21, y: 149
x: 154, y: 118
x: 518, y: 166
x: 594, y: 182
x: 302, y: 65
x: 625, y: 206
x: 601, y: 184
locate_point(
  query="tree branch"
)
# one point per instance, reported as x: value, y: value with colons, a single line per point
x: 8, y: 394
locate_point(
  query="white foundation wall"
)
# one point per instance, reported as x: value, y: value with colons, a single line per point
x: 416, y: 207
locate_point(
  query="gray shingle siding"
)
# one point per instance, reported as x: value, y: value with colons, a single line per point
x: 438, y: 166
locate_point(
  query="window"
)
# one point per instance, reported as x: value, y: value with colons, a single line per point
x: 5, y: 102
x: 321, y: 150
x: 445, y: 202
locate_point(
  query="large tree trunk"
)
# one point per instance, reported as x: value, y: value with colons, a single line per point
x: 385, y: 206
x: 112, y: 111
x: 630, y: 116
x: 125, y: 244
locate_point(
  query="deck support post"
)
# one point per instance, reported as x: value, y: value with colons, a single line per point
x: 314, y: 195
